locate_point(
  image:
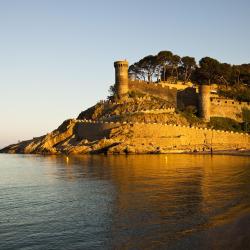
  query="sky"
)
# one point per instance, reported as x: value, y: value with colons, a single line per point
x: 56, y: 56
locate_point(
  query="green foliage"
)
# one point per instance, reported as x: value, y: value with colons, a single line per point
x: 188, y: 65
x: 238, y: 92
x: 208, y: 71
x: 222, y: 123
x: 164, y: 59
x: 165, y: 65
x: 246, y: 115
x: 190, y: 114
x: 112, y: 92
x: 145, y: 69
x: 169, y: 66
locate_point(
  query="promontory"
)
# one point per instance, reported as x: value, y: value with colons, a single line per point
x: 160, y: 104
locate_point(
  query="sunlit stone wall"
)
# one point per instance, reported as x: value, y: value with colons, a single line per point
x: 228, y: 108
x: 163, y: 135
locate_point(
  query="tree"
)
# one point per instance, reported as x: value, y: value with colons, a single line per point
x: 224, y: 73
x: 235, y: 76
x: 136, y: 71
x: 148, y: 65
x: 208, y: 71
x: 245, y: 74
x: 112, y: 92
x: 164, y: 60
x: 175, y: 61
x: 188, y: 65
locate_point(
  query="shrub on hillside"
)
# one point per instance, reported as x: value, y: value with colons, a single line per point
x: 246, y: 115
x: 222, y: 123
x: 240, y: 93
x: 191, y: 109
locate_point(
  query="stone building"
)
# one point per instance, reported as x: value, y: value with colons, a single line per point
x: 121, y: 78
x: 202, y: 97
x: 204, y: 102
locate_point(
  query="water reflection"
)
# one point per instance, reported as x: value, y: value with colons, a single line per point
x: 147, y: 201
x: 160, y: 199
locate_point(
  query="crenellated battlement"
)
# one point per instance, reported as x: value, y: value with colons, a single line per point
x: 160, y: 135
x: 181, y: 95
x: 155, y: 89
x: 229, y: 102
x: 149, y: 111
x: 117, y: 123
x: 222, y: 107
x: 153, y: 84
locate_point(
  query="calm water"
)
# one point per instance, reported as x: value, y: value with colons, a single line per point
x: 119, y: 202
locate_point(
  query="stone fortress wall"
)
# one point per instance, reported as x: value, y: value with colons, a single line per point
x: 178, y: 85
x: 180, y: 95
x: 185, y: 95
x: 222, y: 107
x: 173, y: 137
x: 167, y: 136
x: 155, y: 89
x: 145, y: 111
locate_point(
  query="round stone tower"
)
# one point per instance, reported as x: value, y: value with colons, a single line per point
x: 204, y: 102
x: 121, y: 78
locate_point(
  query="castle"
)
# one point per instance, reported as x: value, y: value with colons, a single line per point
x: 144, y: 123
x: 207, y: 103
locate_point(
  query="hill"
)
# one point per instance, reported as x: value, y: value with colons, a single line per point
x: 140, y: 124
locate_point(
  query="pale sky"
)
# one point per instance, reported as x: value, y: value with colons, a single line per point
x: 56, y: 56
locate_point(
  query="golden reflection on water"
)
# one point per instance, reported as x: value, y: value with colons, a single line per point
x: 162, y: 198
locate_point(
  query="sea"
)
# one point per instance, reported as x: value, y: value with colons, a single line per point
x: 173, y: 201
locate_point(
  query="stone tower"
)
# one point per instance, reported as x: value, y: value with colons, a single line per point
x: 121, y: 78
x: 204, y: 102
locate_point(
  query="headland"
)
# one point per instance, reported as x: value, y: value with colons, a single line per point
x: 146, y: 117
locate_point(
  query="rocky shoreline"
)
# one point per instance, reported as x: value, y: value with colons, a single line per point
x: 121, y: 139
x: 135, y: 126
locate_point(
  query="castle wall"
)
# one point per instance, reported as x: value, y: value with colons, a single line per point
x: 228, y: 108
x: 164, y: 92
x: 180, y: 97
x: 187, y: 97
x: 95, y: 130
x: 171, y: 137
x: 179, y: 85
x: 182, y: 137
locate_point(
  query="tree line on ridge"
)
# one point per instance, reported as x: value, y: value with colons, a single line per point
x: 166, y: 66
